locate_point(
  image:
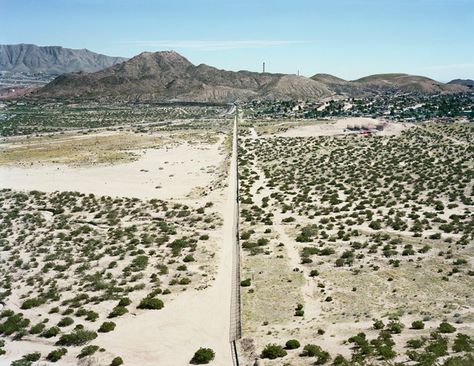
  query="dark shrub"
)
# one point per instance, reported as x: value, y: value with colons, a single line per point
x: 418, y: 324
x: 32, y: 303
x: 51, y: 332
x: 311, y: 350
x: 64, y: 322
x: 378, y: 324
x: 37, y: 328
x: 445, y: 327
x: 151, y: 303
x: 56, y: 355
x: 273, y: 351
x: 202, y: 356
x: 118, y: 311
x: 76, y: 338
x: 292, y: 344
x: 117, y: 361
x: 106, y: 327
x: 87, y: 351
x: 124, y: 301
x: 463, y: 343
x: 245, y: 283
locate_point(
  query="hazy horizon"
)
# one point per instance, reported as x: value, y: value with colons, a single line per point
x: 348, y: 39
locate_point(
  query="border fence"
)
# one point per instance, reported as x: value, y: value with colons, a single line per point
x: 236, y: 321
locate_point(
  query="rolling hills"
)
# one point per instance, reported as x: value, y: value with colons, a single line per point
x: 168, y: 76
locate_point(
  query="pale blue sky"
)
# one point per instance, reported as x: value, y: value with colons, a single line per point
x: 347, y: 38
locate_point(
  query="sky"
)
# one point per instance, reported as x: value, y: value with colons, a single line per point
x: 346, y: 38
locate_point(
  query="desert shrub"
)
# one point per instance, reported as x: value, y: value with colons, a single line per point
x: 466, y: 360
x: 375, y: 225
x: 87, y: 351
x: 117, y: 361
x: 311, y: 350
x: 151, y: 303
x: 314, y: 273
x: 378, y: 324
x: 76, y: 338
x: 463, y: 343
x: 56, y: 355
x: 184, y: 281
x: 106, y: 327
x: 64, y: 322
x: 203, y: 356
x: 272, y: 351
x: 21, y: 362
x: 32, y: 303
x: 438, y: 345
x: 418, y: 324
x: 292, y: 344
x: 245, y: 283
x: 54, y: 310
x: 27, y: 360
x: 322, y: 358
x: 445, y: 327
x: 415, y: 343
x: 139, y: 263
x: 394, y: 327
x: 51, y: 332
x: 32, y: 357
x: 124, y: 301
x: 178, y: 245
x: 92, y: 316
x: 117, y: 311
x: 299, y: 312
x: 37, y: 328
x: 15, y: 323
x: 188, y: 258
x: 339, y: 360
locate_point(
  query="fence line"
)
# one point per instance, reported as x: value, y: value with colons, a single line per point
x: 236, y: 302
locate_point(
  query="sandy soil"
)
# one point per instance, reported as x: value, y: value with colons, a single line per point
x: 160, y: 173
x: 190, y: 320
x: 194, y: 319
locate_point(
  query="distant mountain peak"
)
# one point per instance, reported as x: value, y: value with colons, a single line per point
x: 30, y: 58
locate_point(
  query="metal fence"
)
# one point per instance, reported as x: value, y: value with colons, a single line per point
x: 236, y: 302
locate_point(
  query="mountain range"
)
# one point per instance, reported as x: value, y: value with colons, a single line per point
x: 52, y: 60
x: 168, y: 76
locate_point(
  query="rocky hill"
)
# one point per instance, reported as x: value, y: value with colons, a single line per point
x: 388, y: 83
x: 168, y: 76
x: 31, y: 59
x: 464, y: 82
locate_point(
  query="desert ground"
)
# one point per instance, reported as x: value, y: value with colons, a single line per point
x: 117, y: 241
x: 116, y: 244
x: 356, y: 248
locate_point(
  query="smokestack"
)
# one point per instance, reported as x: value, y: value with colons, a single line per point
x: 263, y: 67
